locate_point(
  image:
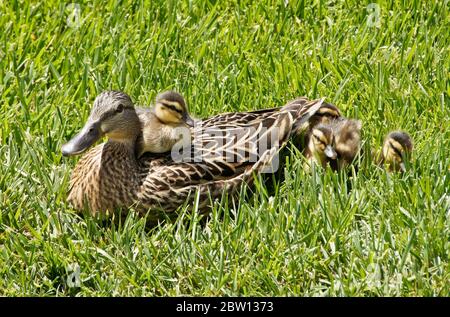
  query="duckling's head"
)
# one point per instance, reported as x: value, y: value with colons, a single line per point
x: 348, y: 137
x: 170, y: 108
x: 397, y: 146
x: 322, y: 142
x: 326, y: 113
x: 113, y: 115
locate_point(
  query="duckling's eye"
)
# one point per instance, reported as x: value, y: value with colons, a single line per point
x: 119, y: 108
x: 396, y: 150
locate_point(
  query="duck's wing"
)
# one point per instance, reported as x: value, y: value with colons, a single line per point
x: 157, y: 194
x: 302, y: 109
x: 237, y: 118
x: 224, y: 146
x: 167, y: 186
x: 227, y: 149
x: 297, y: 107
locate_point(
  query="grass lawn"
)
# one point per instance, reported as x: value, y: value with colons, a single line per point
x: 387, y: 65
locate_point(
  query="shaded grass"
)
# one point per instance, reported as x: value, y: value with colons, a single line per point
x: 387, y: 236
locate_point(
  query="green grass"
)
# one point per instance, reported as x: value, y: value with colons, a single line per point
x: 389, y: 235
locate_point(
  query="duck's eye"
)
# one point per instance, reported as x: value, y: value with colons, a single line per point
x: 119, y: 108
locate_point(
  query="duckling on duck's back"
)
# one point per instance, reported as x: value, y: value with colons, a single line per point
x: 160, y: 125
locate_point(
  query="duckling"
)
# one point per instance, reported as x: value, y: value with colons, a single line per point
x: 347, y: 134
x: 161, y: 124
x: 397, y: 147
x: 335, y: 143
x: 321, y: 145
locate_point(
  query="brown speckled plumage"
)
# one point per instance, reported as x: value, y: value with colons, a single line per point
x: 94, y: 179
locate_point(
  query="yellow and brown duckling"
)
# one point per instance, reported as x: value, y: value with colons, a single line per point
x: 321, y: 146
x: 334, y: 144
x: 326, y: 114
x: 347, y: 134
x: 397, y: 148
x: 161, y: 124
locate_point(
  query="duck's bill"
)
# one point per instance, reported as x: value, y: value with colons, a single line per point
x: 83, y: 140
x: 330, y: 152
x: 189, y: 121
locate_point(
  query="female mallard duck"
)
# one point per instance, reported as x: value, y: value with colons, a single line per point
x: 109, y: 176
x: 161, y: 124
x: 335, y: 143
x: 397, y: 147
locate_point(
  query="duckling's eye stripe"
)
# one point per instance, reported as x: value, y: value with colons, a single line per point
x: 173, y: 108
x: 397, y: 151
x: 320, y: 140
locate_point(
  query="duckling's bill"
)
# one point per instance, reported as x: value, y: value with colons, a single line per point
x: 188, y: 119
x: 330, y: 152
x: 402, y: 167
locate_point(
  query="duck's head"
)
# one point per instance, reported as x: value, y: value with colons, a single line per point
x: 322, y: 142
x: 113, y: 115
x: 396, y: 148
x: 170, y: 108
